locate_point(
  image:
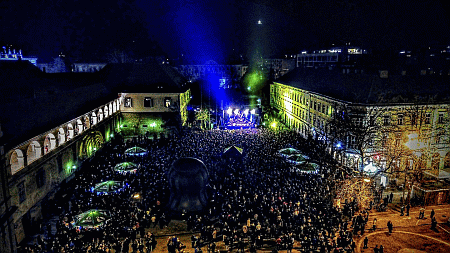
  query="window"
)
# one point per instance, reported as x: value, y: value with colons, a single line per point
x: 148, y: 102
x: 427, y: 118
x: 413, y: 119
x: 358, y: 122
x: 400, y: 119
x: 128, y: 102
x: 441, y: 118
x: 352, y: 141
x: 167, y: 101
x: 40, y: 178
x: 398, y: 139
x: 21, y: 190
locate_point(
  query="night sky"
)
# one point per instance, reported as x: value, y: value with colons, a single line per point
x: 218, y: 30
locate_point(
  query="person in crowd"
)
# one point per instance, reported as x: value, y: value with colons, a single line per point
x: 255, y: 199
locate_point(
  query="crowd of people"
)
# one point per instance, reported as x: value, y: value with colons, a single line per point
x: 254, y: 201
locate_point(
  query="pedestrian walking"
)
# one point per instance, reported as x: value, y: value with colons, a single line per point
x: 366, y: 240
x: 374, y: 224
x: 381, y: 250
x: 376, y: 249
x: 407, y: 209
x: 390, y: 226
x: 433, y: 223
x: 432, y: 214
x: 402, y: 209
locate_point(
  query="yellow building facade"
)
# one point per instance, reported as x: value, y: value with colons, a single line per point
x: 409, y: 137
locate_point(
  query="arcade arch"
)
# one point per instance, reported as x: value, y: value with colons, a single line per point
x: 34, y: 152
x: 17, y: 161
x: 92, y: 141
x: 80, y: 126
x: 114, y: 106
x: 49, y: 143
x: 105, y: 111
x: 87, y: 122
x: 100, y: 115
x: 70, y: 131
x: 94, y: 119
x: 110, y: 112
x: 447, y: 162
x: 61, y: 136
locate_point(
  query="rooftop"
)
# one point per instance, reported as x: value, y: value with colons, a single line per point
x: 369, y: 87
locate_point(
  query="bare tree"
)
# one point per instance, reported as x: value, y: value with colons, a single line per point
x: 357, y: 127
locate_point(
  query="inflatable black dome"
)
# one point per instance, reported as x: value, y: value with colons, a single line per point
x: 188, y: 178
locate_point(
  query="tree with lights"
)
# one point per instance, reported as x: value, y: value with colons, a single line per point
x: 356, y: 127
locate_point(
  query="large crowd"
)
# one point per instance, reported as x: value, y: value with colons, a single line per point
x: 254, y: 201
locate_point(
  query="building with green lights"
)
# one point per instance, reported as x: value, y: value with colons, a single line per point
x: 51, y: 123
x: 155, y: 98
x: 399, y: 109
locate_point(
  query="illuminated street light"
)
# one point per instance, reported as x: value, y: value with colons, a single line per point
x: 153, y: 124
x: 274, y: 124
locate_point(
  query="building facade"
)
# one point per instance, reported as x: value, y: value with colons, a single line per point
x: 332, y: 56
x: 278, y: 67
x: 87, y: 67
x: 41, y: 150
x: 150, y: 113
x: 224, y: 73
x: 12, y: 55
x: 412, y: 136
x: 36, y: 168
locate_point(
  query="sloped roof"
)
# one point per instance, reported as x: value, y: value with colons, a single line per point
x: 148, y: 77
x: 369, y: 87
x: 33, y: 102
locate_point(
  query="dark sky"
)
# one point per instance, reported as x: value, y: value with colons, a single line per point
x: 205, y: 29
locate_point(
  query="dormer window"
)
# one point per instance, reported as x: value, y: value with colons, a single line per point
x: 167, y: 101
